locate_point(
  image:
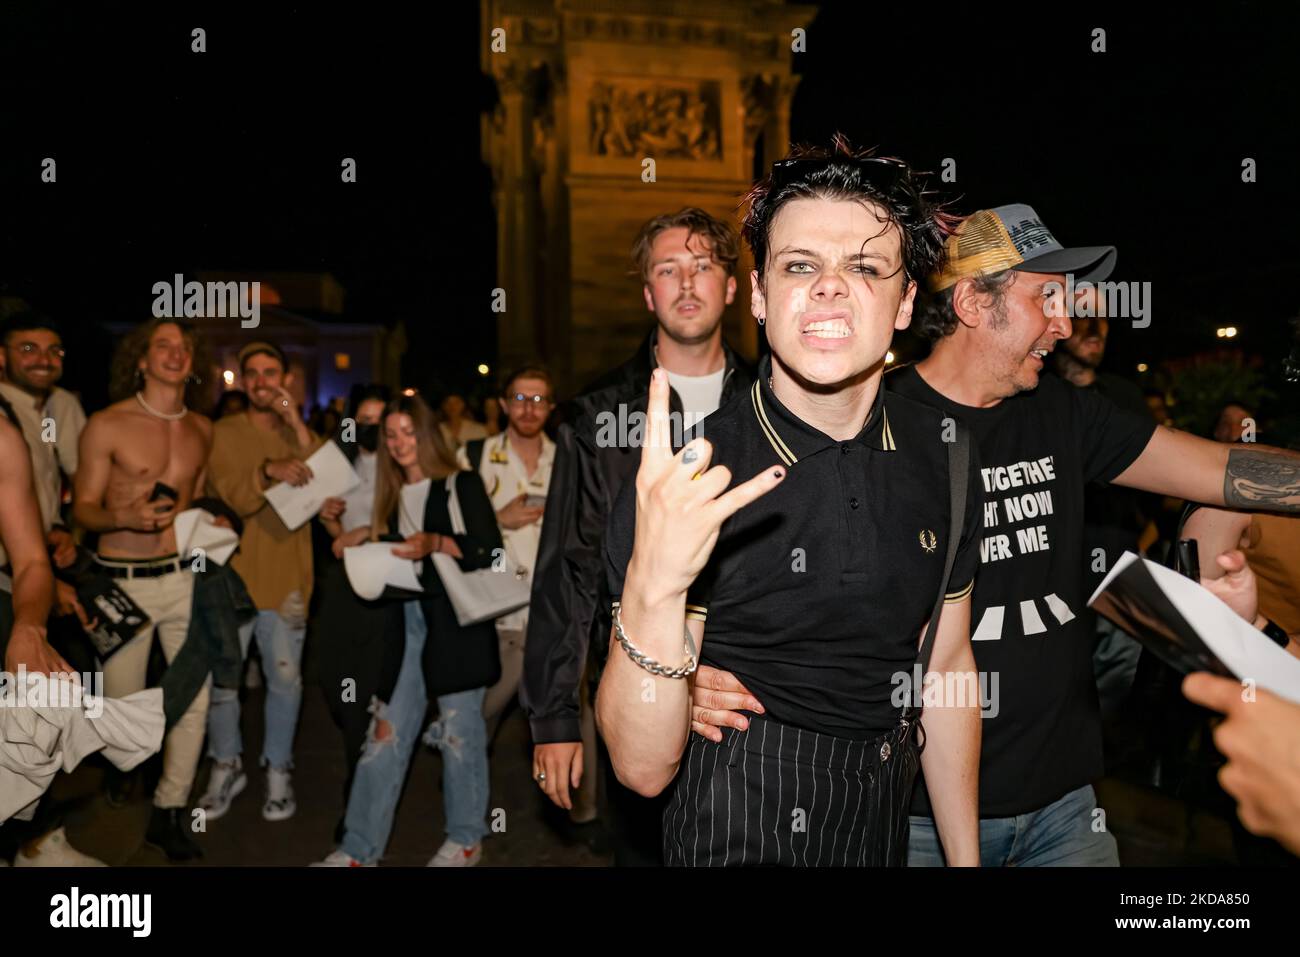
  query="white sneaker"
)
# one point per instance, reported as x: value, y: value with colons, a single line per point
x: 280, y: 805
x: 55, y: 851
x: 227, y: 781
x: 339, y: 859
x: 452, y: 854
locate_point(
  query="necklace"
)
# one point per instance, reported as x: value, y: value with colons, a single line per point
x: 169, y: 416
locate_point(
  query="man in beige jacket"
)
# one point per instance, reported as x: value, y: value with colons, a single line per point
x: 251, y: 451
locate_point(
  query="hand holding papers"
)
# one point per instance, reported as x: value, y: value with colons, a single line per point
x: 195, y: 528
x: 332, y: 475
x: 1189, y: 628
x: 373, y: 566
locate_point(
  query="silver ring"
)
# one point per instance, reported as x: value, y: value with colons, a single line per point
x: 541, y: 775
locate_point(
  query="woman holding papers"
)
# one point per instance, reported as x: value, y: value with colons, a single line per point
x: 347, y: 631
x: 438, y: 658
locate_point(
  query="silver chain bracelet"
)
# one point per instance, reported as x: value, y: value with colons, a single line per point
x: 649, y: 664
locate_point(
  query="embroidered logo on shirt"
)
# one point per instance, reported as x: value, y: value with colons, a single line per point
x: 927, y: 539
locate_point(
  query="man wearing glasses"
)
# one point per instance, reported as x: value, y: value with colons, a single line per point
x: 515, y: 465
x: 51, y: 418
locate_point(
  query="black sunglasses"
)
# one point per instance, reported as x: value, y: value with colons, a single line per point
x: 879, y: 171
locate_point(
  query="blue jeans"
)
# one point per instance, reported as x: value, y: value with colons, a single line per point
x: 280, y: 643
x: 1059, y: 835
x: 460, y: 733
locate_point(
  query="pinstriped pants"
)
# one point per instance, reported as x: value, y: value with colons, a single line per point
x: 781, y: 796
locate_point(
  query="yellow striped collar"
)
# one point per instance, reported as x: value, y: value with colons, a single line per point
x: 792, y: 438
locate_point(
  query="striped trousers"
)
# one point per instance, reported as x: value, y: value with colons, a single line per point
x: 780, y: 796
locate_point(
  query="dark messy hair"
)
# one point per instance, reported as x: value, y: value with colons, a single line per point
x: 923, y: 224
x: 27, y: 320
x: 123, y: 380
x: 724, y: 244
x: 934, y: 317
x: 366, y: 392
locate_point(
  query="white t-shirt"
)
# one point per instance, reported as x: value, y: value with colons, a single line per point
x: 361, y: 500
x: 504, y: 477
x: 410, y: 513
x: 700, y: 394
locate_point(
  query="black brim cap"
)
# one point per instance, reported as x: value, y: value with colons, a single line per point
x: 1014, y: 237
x: 1087, y: 263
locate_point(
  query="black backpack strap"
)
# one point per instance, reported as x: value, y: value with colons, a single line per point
x: 474, y: 452
x: 958, y: 475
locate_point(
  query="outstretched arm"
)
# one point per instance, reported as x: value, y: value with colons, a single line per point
x: 1251, y: 477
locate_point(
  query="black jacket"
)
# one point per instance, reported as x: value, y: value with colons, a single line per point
x: 455, y: 658
x: 569, y: 610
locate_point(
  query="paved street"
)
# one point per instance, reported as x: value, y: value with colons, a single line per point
x: 241, y: 837
x: 1151, y: 829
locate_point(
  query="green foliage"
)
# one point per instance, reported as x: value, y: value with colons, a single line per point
x: 1201, y: 386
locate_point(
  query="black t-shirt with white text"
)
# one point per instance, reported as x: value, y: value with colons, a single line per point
x: 1037, y: 450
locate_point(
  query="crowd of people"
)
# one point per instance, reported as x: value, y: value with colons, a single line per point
x: 721, y: 602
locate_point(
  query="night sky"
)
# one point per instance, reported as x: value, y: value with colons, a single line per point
x: 170, y: 161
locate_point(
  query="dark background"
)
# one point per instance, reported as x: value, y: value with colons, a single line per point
x: 170, y: 161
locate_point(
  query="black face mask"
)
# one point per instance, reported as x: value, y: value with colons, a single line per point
x: 368, y: 436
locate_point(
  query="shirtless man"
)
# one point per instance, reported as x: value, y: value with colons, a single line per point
x: 129, y: 451
x: 26, y: 583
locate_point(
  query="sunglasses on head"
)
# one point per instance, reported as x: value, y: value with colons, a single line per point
x: 879, y: 171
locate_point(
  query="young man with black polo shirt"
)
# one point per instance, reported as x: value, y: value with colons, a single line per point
x: 854, y: 517
x: 998, y: 311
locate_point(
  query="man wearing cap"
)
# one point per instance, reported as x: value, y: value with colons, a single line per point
x: 251, y: 451
x: 998, y: 309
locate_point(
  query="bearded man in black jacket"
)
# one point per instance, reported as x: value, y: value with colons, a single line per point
x: 686, y: 261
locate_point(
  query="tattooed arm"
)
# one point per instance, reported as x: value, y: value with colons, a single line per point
x: 1243, y: 476
x: 1264, y: 478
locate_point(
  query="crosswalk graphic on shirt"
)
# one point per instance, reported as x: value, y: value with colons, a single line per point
x: 1031, y: 622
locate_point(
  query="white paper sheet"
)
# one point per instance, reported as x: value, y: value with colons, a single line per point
x: 332, y: 475
x: 195, y: 529
x: 1240, y: 646
x: 373, y: 566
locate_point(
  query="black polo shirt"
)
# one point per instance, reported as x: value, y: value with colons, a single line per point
x: 816, y: 593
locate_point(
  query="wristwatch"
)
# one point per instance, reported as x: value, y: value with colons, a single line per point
x: 1276, y: 632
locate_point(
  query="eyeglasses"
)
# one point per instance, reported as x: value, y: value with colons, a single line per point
x: 32, y: 349
x: 519, y: 399
x: 880, y: 171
